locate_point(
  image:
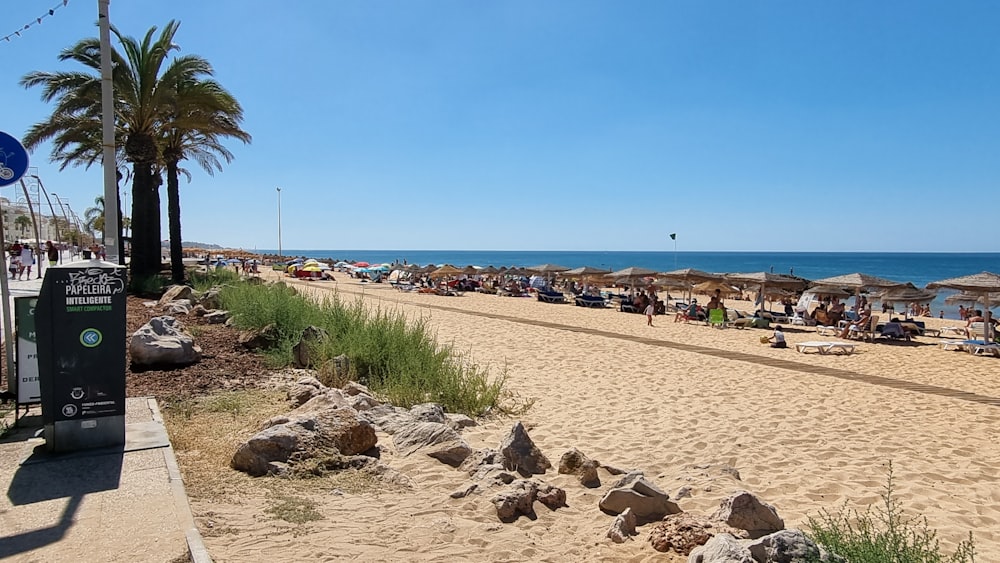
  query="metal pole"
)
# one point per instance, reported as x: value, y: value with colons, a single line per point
x: 38, y: 243
x: 8, y: 333
x: 63, y: 209
x: 53, y: 211
x: 111, y: 204
x: 279, y: 224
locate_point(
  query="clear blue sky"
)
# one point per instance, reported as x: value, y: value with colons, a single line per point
x: 575, y: 125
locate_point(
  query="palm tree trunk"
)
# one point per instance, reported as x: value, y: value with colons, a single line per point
x: 146, y: 227
x: 174, y: 224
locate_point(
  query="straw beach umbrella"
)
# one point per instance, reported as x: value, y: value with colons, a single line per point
x: 445, y: 271
x: 631, y: 273
x: 858, y: 282
x: 982, y: 284
x: 971, y: 298
x: 585, y: 271
x: 763, y: 280
x: 907, y: 293
x: 547, y: 269
x: 689, y: 276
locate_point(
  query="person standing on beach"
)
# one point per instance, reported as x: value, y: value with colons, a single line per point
x: 650, y: 310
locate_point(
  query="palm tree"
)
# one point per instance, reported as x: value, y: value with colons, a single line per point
x: 202, y: 113
x: 142, y: 95
x: 22, y: 223
x: 93, y: 217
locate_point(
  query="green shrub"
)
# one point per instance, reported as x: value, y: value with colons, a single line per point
x: 148, y: 286
x: 202, y: 281
x: 884, y: 534
x: 400, y: 361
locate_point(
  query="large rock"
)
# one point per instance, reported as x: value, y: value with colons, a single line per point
x: 646, y: 500
x: 520, y: 495
x: 574, y: 462
x: 304, y: 352
x: 300, y: 392
x: 520, y: 453
x: 722, y: 548
x: 435, y: 439
x: 217, y: 317
x: 789, y: 546
x: 517, y: 499
x: 387, y: 418
x: 320, y: 426
x: 173, y: 293
x: 683, y: 532
x: 623, y: 527
x: 336, y: 372
x: 178, y: 307
x: 266, y: 337
x: 743, y: 510
x: 162, y: 342
x: 428, y: 412
x: 210, y: 299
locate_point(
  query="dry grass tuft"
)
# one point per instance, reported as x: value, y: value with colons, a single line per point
x: 205, y: 432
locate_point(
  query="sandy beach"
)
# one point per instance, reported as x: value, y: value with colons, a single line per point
x: 682, y: 403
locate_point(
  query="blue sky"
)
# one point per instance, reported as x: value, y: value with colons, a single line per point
x: 576, y: 125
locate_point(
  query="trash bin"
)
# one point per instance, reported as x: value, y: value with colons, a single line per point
x: 86, y: 255
x: 80, y: 330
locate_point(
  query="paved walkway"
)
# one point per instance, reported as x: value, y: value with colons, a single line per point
x: 109, y: 504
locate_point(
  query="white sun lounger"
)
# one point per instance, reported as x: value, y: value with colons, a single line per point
x: 824, y: 330
x: 952, y: 344
x: 984, y: 349
x: 826, y: 347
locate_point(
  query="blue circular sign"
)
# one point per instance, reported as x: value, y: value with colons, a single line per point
x: 13, y: 160
x: 91, y: 338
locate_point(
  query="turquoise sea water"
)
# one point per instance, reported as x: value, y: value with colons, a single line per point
x: 918, y: 268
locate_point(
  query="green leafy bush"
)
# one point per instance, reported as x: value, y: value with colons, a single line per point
x: 884, y: 534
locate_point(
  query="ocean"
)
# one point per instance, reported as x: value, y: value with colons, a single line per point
x: 918, y: 268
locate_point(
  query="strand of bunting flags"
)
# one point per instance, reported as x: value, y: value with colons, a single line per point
x: 36, y: 21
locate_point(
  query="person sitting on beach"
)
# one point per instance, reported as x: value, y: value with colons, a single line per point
x: 860, y: 324
x: 685, y: 314
x: 778, y: 339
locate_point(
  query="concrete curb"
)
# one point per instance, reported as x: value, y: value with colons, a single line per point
x: 196, y: 547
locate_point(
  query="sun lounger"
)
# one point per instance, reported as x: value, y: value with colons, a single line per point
x: 984, y: 349
x: 826, y: 330
x: 952, y: 344
x: 959, y: 330
x: 551, y: 296
x: 826, y: 347
x: 590, y: 301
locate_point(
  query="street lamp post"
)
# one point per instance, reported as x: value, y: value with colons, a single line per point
x: 279, y: 224
x: 53, y: 211
x: 65, y: 218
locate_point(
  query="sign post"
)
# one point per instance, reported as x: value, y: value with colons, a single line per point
x: 80, y: 323
x: 13, y: 165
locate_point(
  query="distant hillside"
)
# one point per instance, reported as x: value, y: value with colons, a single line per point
x: 190, y: 244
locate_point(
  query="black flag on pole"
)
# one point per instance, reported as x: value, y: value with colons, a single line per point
x: 673, y: 236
